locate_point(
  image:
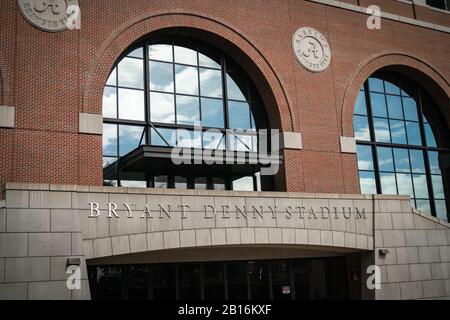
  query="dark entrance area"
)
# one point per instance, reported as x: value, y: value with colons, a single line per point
x: 299, y: 279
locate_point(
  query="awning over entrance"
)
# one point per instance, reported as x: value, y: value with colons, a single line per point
x: 182, y: 161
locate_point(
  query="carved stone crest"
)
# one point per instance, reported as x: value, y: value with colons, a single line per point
x: 311, y: 49
x: 47, y: 15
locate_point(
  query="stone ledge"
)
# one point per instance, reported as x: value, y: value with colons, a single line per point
x: 289, y: 140
x: 189, y: 192
x: 7, y: 117
x: 388, y: 16
x: 348, y: 144
x: 429, y: 217
x: 90, y: 123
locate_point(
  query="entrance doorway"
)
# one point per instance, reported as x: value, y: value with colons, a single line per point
x: 298, y: 279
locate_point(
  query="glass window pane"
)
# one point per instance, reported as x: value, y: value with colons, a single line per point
x: 110, y: 183
x: 385, y: 159
x: 108, y: 161
x: 417, y: 161
x: 394, y: 104
x: 189, y: 138
x: 413, y: 132
x: 441, y: 210
x: 161, y: 182
x: 133, y: 179
x: 109, y: 104
x: 162, y: 52
x: 131, y: 104
x: 365, y: 159
x: 391, y: 87
x: 219, y: 184
x: 185, y: 55
x: 243, y: 184
x: 429, y: 134
x: 367, y: 182
x: 205, y: 61
x: 252, y: 120
x: 259, y: 280
x: 239, y: 115
x: 169, y: 136
x: 112, y: 80
x: 131, y: 73
x: 360, y: 106
x: 162, y: 107
x: 213, y: 140
x: 438, y: 187
x: 201, y: 183
x: 423, y: 205
x: 214, y: 281
x: 137, y: 53
x: 241, y: 142
x: 376, y: 85
x: 361, y: 127
x: 212, y: 113
x: 163, y: 279
x: 237, y: 281
x: 433, y: 157
x: 420, y: 186
x: 401, y: 160
x: 129, y: 138
x: 188, y: 110
x: 378, y: 103
x: 408, y: 89
x: 381, y: 127
x: 211, y: 83
x: 161, y: 76
x: 388, y: 184
x: 410, y: 109
x: 181, y: 183
x: 186, y: 80
x: 234, y: 92
x: 109, y: 139
x: 133, y: 184
x: 398, y: 133
x: 404, y: 184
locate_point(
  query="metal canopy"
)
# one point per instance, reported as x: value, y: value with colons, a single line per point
x: 193, y: 162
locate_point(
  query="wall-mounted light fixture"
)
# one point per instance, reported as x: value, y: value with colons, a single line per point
x: 73, y: 262
x: 383, y: 252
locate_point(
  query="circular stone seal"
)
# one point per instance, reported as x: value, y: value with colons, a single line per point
x: 47, y: 15
x: 311, y: 49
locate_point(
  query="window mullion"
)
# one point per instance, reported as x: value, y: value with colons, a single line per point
x: 147, y: 92
x: 225, y: 101
x: 174, y: 91
x: 372, y: 137
x: 426, y: 157
x: 199, y: 96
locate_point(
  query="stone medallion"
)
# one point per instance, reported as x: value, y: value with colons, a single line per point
x: 311, y: 49
x: 47, y: 15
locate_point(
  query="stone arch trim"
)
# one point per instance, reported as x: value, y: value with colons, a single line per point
x: 276, y: 99
x: 216, y: 238
x: 423, y: 72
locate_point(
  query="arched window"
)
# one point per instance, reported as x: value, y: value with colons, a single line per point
x: 158, y: 95
x: 402, y: 143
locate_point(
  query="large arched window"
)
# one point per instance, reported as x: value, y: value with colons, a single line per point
x: 402, y: 143
x: 158, y: 95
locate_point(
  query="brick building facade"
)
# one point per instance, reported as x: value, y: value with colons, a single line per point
x: 51, y: 91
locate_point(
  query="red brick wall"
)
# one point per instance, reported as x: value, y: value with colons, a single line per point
x: 434, y: 16
x: 51, y: 77
x: 391, y: 6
